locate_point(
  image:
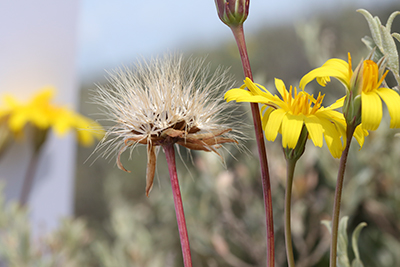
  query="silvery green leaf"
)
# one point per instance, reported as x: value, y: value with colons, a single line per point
x: 357, y: 263
x: 374, y: 26
x: 390, y: 50
x: 376, y: 52
x: 343, y: 228
x: 396, y: 35
x: 390, y: 20
x: 369, y: 42
x: 342, y: 257
x: 328, y: 225
x: 354, y: 240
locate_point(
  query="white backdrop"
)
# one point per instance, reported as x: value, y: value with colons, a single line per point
x: 38, y: 48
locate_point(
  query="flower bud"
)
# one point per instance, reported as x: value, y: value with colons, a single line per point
x: 232, y: 12
x: 352, y: 109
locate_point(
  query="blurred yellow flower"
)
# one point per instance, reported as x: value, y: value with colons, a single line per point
x: 366, y: 81
x: 293, y: 111
x: 40, y: 113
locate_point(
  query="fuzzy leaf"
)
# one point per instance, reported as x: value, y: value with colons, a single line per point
x: 374, y: 26
x: 390, y: 20
x: 396, y: 35
x: 369, y: 42
x: 357, y: 263
x: 390, y: 50
x: 342, y: 256
x: 354, y: 239
x: 328, y: 224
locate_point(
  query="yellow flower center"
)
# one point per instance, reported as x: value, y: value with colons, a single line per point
x: 302, y: 103
x: 370, y: 77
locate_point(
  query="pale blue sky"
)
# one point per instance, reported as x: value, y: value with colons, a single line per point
x: 117, y: 32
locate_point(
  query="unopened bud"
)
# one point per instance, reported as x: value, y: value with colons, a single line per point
x: 356, y: 80
x: 232, y: 12
x: 352, y: 109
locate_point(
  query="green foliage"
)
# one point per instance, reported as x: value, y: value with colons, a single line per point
x: 342, y: 249
x: 64, y: 247
x: 382, y: 41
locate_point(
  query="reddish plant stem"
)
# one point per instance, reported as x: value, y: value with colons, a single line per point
x: 180, y: 215
x: 338, y: 195
x: 262, y: 153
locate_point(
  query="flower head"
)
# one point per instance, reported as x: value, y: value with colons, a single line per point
x: 232, y: 12
x: 43, y: 115
x: 366, y: 83
x: 292, y: 112
x: 162, y: 102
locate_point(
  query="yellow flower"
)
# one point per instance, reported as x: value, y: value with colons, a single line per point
x: 291, y: 113
x: 365, y: 82
x: 40, y: 113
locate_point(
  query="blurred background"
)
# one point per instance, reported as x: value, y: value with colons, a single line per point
x: 117, y: 225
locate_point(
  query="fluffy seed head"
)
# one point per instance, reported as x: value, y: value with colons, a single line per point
x: 165, y: 100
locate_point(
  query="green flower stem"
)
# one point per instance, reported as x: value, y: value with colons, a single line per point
x: 29, y: 177
x: 338, y: 195
x: 290, y: 166
x: 39, y: 138
x: 266, y: 185
x: 180, y: 215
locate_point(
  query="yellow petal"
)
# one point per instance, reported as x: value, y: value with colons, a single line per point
x: 241, y: 95
x: 265, y: 113
x: 10, y: 101
x: 86, y: 129
x: 359, y: 135
x: 338, y: 104
x: 392, y: 100
x: 85, y: 138
x: 314, y: 129
x: 280, y: 86
x: 329, y: 114
x: 39, y: 118
x: 88, y: 133
x: 336, y: 68
x: 371, y: 110
x: 254, y: 88
x: 17, y: 121
x: 339, y: 64
x: 274, y: 124
x: 44, y: 96
x: 291, y: 129
x: 61, y: 126
x: 332, y: 135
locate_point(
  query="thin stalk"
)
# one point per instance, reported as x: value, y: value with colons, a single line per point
x: 338, y: 196
x: 262, y: 153
x: 180, y: 215
x: 29, y: 177
x: 290, y: 166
